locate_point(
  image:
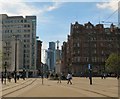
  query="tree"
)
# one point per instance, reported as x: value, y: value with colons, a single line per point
x: 113, y: 63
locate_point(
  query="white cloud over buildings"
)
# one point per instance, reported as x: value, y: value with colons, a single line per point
x: 112, y: 5
x: 23, y: 8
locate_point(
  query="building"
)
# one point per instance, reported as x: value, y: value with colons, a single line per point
x: 38, y: 63
x: 51, y: 59
x: 64, y: 65
x: 58, y: 59
x: 19, y: 43
x: 89, y: 44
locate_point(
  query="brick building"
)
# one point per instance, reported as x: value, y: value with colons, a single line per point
x: 38, y: 63
x: 89, y: 44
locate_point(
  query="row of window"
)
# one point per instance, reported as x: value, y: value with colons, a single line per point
x: 26, y: 40
x: 95, y: 45
x: 26, y: 56
x: 100, y: 39
x: 26, y: 51
x: 17, y: 21
x: 86, y: 59
x: 18, y: 31
x: 26, y: 46
x: 87, y: 27
x: 26, y: 35
x: 16, y: 26
x: 87, y: 53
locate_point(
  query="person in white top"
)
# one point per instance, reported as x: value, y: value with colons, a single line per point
x: 69, y: 77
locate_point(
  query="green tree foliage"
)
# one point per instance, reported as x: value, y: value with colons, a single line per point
x: 113, y: 63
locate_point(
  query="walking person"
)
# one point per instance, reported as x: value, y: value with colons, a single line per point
x: 2, y: 79
x: 69, y: 78
x: 59, y: 78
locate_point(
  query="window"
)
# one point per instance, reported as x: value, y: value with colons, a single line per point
x: 24, y: 40
x: 28, y: 40
x: 101, y: 44
x: 78, y: 59
x: 90, y: 27
x: 95, y: 59
x: 102, y: 52
x: 25, y: 26
x: 94, y: 45
x: 78, y: 45
x: 28, y: 25
x: 21, y: 21
x: 25, y: 21
x: 94, y: 51
x: 87, y: 59
x: 87, y: 27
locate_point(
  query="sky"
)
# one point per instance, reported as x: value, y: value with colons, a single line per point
x: 54, y: 17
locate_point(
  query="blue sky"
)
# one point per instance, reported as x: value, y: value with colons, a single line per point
x: 54, y: 18
x: 57, y: 25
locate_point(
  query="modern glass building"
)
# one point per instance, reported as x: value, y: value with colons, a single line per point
x: 51, y: 59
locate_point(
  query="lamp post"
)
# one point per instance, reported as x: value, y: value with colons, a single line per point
x: 5, y: 71
x: 89, y: 65
x: 5, y: 65
x: 42, y: 73
x: 15, y: 71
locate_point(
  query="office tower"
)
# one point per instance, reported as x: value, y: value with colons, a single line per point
x: 19, y: 43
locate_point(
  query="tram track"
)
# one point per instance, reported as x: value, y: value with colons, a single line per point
x: 17, y: 87
x: 3, y: 89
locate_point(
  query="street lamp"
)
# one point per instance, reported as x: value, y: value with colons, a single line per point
x: 15, y: 72
x: 42, y: 72
x: 89, y: 65
x: 5, y: 65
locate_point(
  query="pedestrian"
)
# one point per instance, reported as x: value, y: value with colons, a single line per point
x: 9, y: 78
x: 18, y: 76
x: 118, y: 76
x: 69, y: 78
x: 2, y: 78
x: 59, y: 78
x: 104, y: 75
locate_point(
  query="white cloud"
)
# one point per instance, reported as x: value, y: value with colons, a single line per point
x: 17, y: 8
x: 23, y: 8
x: 54, y: 6
x: 112, y: 5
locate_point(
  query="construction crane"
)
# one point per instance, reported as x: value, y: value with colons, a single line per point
x: 106, y: 22
x: 109, y: 23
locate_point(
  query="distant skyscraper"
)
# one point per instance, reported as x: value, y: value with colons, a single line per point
x: 51, y: 56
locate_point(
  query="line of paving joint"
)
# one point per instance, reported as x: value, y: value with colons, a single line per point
x: 96, y: 91
x: 19, y: 88
x: 13, y: 86
x: 91, y: 91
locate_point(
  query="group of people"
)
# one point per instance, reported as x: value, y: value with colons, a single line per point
x: 69, y: 78
x: 9, y: 76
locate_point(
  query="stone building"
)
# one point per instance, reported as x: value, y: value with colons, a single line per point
x: 89, y: 44
x: 19, y: 43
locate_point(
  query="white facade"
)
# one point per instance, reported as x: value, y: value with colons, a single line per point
x: 21, y: 32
